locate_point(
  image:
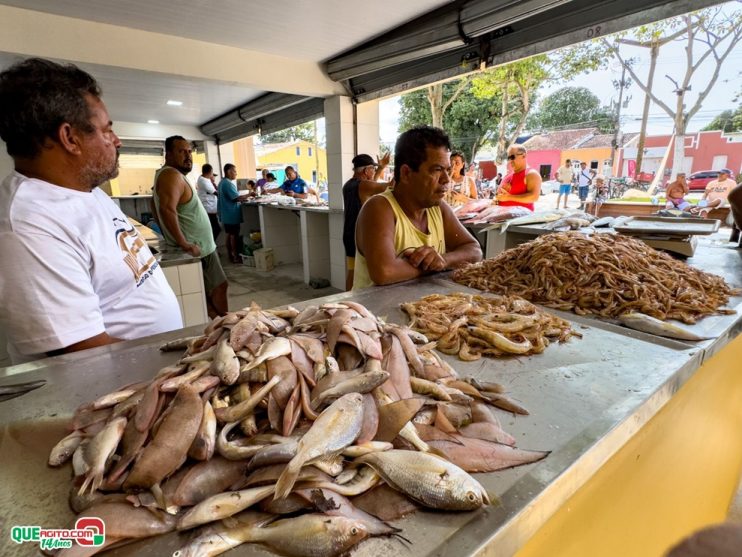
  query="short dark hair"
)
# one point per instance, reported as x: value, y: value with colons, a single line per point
x: 228, y: 166
x: 36, y: 97
x: 412, y: 144
x: 289, y: 168
x: 270, y: 176
x: 206, y: 168
x: 170, y: 142
x: 251, y: 182
x: 463, y: 160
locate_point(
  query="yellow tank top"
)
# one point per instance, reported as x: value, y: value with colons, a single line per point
x: 406, y: 235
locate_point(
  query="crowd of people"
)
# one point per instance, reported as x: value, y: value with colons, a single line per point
x: 83, y: 277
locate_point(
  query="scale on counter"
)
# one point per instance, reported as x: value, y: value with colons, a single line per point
x: 669, y: 233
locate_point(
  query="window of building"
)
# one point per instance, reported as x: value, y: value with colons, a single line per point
x: 298, y: 150
x: 309, y: 150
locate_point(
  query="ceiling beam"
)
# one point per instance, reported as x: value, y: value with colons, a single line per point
x: 32, y: 33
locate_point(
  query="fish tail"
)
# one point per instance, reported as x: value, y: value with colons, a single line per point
x: 287, y: 479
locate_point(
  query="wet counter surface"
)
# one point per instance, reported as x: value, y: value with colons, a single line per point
x: 586, y: 397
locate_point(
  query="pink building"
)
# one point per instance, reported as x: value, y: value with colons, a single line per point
x: 709, y: 150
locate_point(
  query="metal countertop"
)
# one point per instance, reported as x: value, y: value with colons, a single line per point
x: 586, y: 397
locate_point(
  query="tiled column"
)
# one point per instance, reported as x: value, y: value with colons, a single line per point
x: 340, y: 152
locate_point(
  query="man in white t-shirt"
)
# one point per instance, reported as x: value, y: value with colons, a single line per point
x: 716, y: 192
x: 208, y: 194
x: 76, y: 274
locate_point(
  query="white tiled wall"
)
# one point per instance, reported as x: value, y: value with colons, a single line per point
x: 188, y: 284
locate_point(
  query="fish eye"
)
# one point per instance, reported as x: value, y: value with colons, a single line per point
x: 471, y: 496
x: 353, y: 531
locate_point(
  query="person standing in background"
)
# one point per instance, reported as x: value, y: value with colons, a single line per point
x: 230, y: 210
x: 264, y: 178
x: 522, y: 186
x: 184, y: 221
x: 77, y: 274
x: 584, y: 181
x: 564, y: 175
x: 206, y: 188
x: 356, y: 192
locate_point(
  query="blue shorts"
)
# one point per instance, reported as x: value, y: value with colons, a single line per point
x: 564, y: 188
x: 582, y: 191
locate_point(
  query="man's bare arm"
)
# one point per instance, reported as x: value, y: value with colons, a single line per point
x: 375, y: 241
x: 170, y: 187
x: 98, y: 340
x: 461, y: 246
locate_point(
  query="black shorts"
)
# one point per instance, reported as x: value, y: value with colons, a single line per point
x: 232, y: 229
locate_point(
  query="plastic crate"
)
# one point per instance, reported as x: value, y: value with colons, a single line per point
x: 248, y: 260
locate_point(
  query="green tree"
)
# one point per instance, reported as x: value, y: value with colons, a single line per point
x: 571, y: 107
x: 469, y: 121
x: 303, y: 132
x: 728, y: 121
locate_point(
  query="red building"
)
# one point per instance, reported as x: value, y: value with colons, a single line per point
x: 709, y: 150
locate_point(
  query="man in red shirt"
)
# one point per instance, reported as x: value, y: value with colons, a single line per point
x: 523, y: 185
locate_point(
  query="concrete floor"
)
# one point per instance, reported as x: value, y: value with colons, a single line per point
x: 283, y: 285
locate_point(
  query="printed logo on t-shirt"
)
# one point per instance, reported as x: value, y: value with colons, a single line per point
x: 140, y: 260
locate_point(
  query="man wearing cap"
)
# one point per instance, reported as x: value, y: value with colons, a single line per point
x: 717, y: 192
x: 356, y: 191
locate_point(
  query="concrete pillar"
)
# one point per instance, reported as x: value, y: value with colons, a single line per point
x: 342, y: 134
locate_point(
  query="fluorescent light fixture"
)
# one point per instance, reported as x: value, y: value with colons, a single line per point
x: 153, y: 121
x: 175, y: 103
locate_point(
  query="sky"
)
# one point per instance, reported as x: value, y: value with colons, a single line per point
x: 671, y: 61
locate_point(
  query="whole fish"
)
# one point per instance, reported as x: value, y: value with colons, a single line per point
x: 222, y: 505
x: 654, y: 326
x: 177, y: 344
x: 362, y: 383
x: 271, y: 348
x: 428, y: 479
x: 99, y: 451
x: 334, y: 429
x: 535, y: 218
x: 603, y: 221
x: 203, y: 444
x: 63, y: 450
x: 477, y: 455
x: 226, y: 365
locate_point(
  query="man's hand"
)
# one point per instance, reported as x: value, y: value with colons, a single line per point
x: 383, y: 161
x: 192, y: 249
x: 425, y: 258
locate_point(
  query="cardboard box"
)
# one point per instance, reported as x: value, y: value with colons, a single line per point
x: 264, y: 259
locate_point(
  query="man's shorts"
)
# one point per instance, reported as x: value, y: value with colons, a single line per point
x: 350, y: 263
x: 681, y: 204
x: 564, y: 188
x: 582, y: 191
x: 213, y: 272
x: 232, y: 229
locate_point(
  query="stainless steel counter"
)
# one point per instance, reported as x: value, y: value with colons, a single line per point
x: 586, y: 397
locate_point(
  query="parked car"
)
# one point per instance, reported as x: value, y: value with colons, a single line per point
x: 549, y: 186
x: 698, y: 180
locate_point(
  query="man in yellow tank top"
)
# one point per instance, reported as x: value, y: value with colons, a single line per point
x: 411, y: 231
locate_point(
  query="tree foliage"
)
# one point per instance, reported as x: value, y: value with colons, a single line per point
x: 571, y: 107
x: 728, y: 121
x: 303, y: 132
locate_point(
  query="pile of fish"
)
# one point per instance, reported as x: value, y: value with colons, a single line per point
x: 304, y: 431
x: 603, y: 274
x: 472, y: 326
x: 483, y: 211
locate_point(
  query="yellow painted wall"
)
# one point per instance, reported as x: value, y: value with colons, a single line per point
x: 678, y: 474
x: 244, y: 158
x: 305, y: 164
x: 137, y: 173
x: 587, y: 155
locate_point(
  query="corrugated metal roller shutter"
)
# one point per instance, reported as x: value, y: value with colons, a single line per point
x: 458, y: 38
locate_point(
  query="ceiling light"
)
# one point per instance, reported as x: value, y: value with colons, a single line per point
x: 153, y: 121
x: 175, y: 103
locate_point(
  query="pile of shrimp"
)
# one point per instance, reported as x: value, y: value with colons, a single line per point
x: 602, y: 274
x: 472, y: 326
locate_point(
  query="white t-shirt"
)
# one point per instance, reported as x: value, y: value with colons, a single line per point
x: 74, y: 267
x: 584, y: 177
x: 206, y: 191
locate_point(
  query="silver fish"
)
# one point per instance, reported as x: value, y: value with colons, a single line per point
x: 362, y: 383
x: 226, y: 365
x: 63, y: 450
x: 334, y: 429
x: 270, y: 349
x: 654, y: 326
x: 428, y: 479
x: 100, y: 450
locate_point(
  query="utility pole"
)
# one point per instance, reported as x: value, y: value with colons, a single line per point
x: 617, y: 131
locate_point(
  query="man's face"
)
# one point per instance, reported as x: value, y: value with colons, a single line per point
x: 517, y: 159
x: 723, y: 176
x: 430, y: 182
x: 232, y: 173
x: 291, y: 174
x: 100, y: 160
x: 681, y: 178
x: 368, y: 172
x: 179, y: 157
x: 264, y: 172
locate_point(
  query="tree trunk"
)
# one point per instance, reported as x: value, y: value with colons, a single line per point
x: 502, y: 146
x: 654, y: 52
x: 435, y: 98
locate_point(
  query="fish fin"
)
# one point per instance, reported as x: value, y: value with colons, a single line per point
x: 288, y: 478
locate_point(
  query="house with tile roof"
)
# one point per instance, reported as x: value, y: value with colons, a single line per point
x: 547, y: 151
x: 308, y: 159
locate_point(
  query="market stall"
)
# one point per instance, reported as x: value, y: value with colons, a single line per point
x: 642, y: 433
